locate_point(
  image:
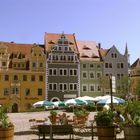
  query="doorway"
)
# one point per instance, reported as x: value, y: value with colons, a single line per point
x: 15, y: 108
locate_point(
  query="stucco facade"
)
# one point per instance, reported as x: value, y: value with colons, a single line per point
x: 22, y: 75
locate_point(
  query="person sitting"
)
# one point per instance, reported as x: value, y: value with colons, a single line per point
x: 119, y: 120
x: 64, y: 119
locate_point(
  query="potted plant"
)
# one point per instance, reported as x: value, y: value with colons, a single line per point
x: 53, y: 116
x: 81, y: 115
x: 6, y: 127
x: 132, y: 122
x: 105, y: 127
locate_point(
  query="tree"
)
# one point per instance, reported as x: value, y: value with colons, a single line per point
x: 123, y: 86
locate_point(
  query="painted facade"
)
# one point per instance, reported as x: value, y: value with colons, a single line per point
x: 114, y: 64
x: 90, y: 69
x: 63, y: 67
x: 22, y: 75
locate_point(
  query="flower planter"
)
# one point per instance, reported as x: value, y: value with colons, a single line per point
x: 7, y: 133
x: 132, y: 133
x: 106, y: 133
x: 53, y: 119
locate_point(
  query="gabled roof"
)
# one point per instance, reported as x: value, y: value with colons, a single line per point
x: 136, y: 64
x: 88, y: 50
x: 52, y: 38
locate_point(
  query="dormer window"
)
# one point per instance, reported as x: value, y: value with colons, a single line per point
x: 63, y: 40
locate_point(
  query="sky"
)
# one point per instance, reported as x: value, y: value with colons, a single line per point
x: 109, y: 22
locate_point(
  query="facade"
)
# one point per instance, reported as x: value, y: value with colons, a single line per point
x: 114, y: 64
x: 22, y: 75
x: 135, y: 79
x: 90, y: 69
x: 63, y: 67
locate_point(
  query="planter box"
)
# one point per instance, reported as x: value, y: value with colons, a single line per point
x: 6, y: 133
x: 132, y: 133
x: 106, y: 133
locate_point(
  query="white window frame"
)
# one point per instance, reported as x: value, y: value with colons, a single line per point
x: 97, y: 88
x: 86, y: 74
x: 73, y: 72
x: 83, y: 87
x: 73, y: 84
x: 53, y: 69
x: 53, y: 89
x: 93, y: 75
x: 98, y: 72
x: 63, y: 69
x: 63, y: 84
x: 91, y: 85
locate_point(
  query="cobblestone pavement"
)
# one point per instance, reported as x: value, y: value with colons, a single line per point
x: 22, y: 126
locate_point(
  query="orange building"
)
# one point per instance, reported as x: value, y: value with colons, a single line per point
x: 22, y: 75
x: 135, y: 79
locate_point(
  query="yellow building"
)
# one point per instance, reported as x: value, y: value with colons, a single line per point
x: 22, y: 75
x: 135, y: 79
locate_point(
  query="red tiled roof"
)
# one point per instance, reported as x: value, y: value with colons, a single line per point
x: 18, y: 48
x: 52, y: 38
x: 88, y: 50
x: 103, y: 52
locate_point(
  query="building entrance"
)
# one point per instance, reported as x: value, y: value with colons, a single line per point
x: 15, y: 108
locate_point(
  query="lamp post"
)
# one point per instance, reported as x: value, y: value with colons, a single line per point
x: 112, y: 88
x: 111, y: 92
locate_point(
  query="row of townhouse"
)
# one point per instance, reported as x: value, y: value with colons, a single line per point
x: 61, y: 69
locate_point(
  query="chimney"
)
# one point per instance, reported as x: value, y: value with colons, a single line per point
x: 99, y: 45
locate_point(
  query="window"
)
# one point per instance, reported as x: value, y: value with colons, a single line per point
x: 40, y: 65
x: 15, y: 77
x: 91, y: 66
x: 40, y: 92
x: 98, y: 88
x: 120, y: 65
x: 91, y: 75
x: 32, y: 77
x: 98, y: 66
x: 91, y: 88
x: 84, y: 66
x: 24, y: 77
x: 41, y: 78
x: 72, y: 86
x: 62, y: 86
x: 84, y: 74
x: 72, y: 72
x: 98, y: 75
x: 27, y: 92
x: 52, y: 72
x: 110, y: 65
x: 18, y: 65
x: 84, y: 87
x: 63, y: 72
x: 6, y: 91
x: 33, y: 64
x: 106, y: 65
x: 114, y: 55
x: 52, y: 86
x: 15, y: 90
x: 6, y: 77
x: 3, y: 64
